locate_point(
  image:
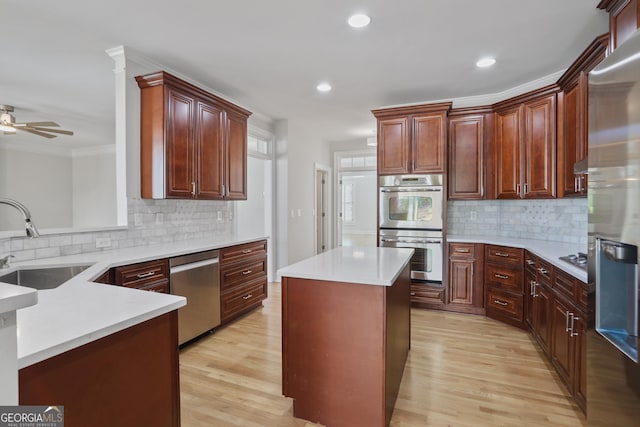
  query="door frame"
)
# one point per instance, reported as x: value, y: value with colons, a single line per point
x: 326, y: 171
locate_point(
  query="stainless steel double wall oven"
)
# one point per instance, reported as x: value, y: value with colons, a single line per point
x: 411, y: 210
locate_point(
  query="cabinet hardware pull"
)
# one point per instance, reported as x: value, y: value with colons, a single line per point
x: 501, y: 276
x: 497, y: 301
x: 526, y: 188
x: 581, y: 181
x: 535, y: 290
x: 576, y: 186
x: 247, y: 272
x: 518, y: 189
x: 247, y: 296
x: 463, y: 251
x: 532, y: 291
x: 147, y: 274
x: 530, y: 262
x: 193, y: 188
x: 223, y: 190
x: 413, y: 294
x: 502, y: 254
x: 573, y: 333
x: 246, y: 251
x: 543, y: 270
x: 566, y: 327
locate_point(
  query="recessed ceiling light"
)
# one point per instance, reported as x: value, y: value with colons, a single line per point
x: 359, y: 20
x: 485, y: 62
x: 323, y: 87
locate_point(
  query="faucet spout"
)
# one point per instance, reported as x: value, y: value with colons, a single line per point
x: 30, y: 227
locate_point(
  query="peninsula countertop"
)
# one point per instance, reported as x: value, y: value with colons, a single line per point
x: 80, y: 311
x: 548, y: 250
x: 361, y: 265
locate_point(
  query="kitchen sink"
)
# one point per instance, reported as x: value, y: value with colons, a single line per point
x: 42, y: 278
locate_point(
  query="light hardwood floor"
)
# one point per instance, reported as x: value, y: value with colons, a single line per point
x: 462, y: 370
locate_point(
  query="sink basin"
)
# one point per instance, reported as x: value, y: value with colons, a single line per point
x: 42, y: 278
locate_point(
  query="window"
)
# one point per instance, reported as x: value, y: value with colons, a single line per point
x: 347, y: 202
x: 259, y: 145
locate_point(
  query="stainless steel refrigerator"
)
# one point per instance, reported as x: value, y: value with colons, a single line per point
x: 613, y: 371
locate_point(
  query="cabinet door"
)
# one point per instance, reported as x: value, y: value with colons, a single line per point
x: 540, y: 148
x: 180, y: 124
x: 461, y: 282
x: 428, y: 143
x: 568, y: 145
x: 236, y: 144
x: 466, y: 157
x: 393, y: 146
x: 209, y: 152
x: 508, y: 139
x: 624, y: 20
x: 529, y: 300
x: 562, y: 348
x: 542, y: 316
x: 580, y: 382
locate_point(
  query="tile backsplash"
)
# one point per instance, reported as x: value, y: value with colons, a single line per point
x: 150, y: 222
x: 561, y: 220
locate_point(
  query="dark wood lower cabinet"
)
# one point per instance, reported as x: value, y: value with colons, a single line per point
x: 127, y: 379
x: 563, y: 348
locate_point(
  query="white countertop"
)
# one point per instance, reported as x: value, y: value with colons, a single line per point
x: 361, y: 265
x: 80, y: 311
x: 547, y: 250
x: 15, y: 297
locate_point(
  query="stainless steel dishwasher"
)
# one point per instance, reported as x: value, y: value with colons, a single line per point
x: 197, y: 277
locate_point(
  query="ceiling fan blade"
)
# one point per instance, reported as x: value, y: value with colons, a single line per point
x: 36, y: 124
x: 62, y: 131
x: 37, y: 132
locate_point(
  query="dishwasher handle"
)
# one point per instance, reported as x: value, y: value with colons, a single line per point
x: 193, y: 265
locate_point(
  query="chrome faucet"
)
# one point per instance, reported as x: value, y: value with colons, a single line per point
x: 30, y: 227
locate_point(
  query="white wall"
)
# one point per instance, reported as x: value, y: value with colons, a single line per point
x: 94, y: 180
x: 304, y: 151
x: 281, y: 245
x: 40, y: 181
x: 250, y: 213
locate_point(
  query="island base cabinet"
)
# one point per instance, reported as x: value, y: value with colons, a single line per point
x: 344, y: 347
x: 127, y: 379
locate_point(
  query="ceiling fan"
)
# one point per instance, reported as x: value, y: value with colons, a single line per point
x: 8, y: 125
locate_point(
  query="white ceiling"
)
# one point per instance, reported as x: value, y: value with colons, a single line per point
x: 269, y: 55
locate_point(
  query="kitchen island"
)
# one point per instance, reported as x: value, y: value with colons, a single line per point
x: 346, y: 334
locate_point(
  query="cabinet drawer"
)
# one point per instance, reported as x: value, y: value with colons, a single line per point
x: 242, y: 273
x: 565, y: 284
x: 501, y: 304
x: 530, y: 262
x: 247, y: 250
x: 142, y: 274
x: 427, y: 294
x: 544, y: 272
x: 504, y: 254
x: 505, y: 276
x: 160, y: 287
x: 462, y: 250
x: 242, y: 299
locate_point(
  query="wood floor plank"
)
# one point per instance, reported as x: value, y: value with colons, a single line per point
x: 462, y: 370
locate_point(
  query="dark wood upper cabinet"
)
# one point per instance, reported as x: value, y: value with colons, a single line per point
x: 193, y: 144
x: 573, y: 128
x: 467, y: 144
x: 624, y: 19
x: 525, y: 145
x: 412, y: 139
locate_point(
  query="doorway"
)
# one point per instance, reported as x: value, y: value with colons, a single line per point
x: 358, y: 213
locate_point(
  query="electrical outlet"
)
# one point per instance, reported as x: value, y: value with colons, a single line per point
x: 473, y: 215
x: 219, y: 215
x: 103, y: 242
x: 159, y: 218
x: 299, y: 212
x: 137, y: 219
x: 230, y: 215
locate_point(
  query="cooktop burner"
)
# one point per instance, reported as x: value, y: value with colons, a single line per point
x: 579, y: 260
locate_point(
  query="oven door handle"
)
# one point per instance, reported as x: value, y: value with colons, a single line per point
x: 384, y: 239
x: 409, y: 190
